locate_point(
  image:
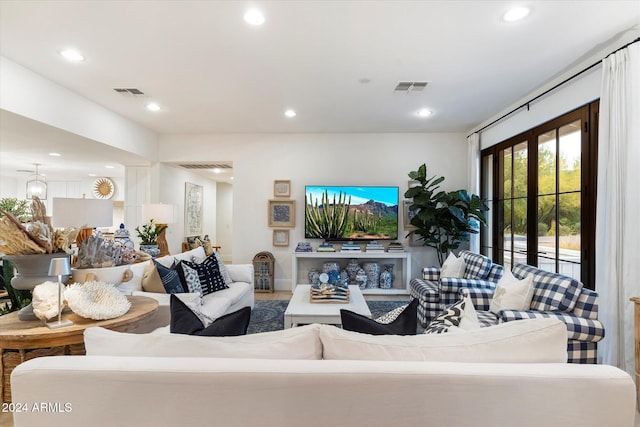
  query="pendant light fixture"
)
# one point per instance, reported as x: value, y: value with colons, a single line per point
x: 36, y: 185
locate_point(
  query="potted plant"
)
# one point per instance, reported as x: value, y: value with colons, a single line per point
x: 443, y: 220
x: 149, y: 237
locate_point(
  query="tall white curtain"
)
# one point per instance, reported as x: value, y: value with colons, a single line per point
x: 618, y: 205
x: 473, y: 184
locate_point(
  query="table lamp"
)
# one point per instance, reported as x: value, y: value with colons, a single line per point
x: 86, y: 213
x: 162, y: 214
x: 59, y: 267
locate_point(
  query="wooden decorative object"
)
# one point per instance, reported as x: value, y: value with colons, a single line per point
x: 263, y: 266
x: 23, y: 340
x: 329, y: 293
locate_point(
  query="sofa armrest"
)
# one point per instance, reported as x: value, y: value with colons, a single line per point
x: 578, y: 328
x: 241, y: 272
x: 431, y: 273
x: 481, y: 298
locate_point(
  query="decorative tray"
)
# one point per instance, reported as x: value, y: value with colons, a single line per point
x: 329, y: 293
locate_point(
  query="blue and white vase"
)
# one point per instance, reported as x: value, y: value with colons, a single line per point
x: 314, y: 277
x: 361, y: 279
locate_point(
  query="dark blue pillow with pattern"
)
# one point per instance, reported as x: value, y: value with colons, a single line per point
x: 170, y: 279
x: 211, y: 279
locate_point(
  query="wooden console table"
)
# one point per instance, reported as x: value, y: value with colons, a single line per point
x: 23, y: 340
x: 636, y: 301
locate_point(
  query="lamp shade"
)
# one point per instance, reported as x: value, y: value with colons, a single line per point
x: 60, y: 267
x: 160, y: 213
x: 82, y: 212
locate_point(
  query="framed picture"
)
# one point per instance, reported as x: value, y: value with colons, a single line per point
x: 407, y: 214
x: 280, y: 237
x: 192, y: 209
x: 281, y: 188
x: 282, y: 213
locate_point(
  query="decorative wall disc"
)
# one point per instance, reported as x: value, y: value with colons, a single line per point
x: 103, y: 188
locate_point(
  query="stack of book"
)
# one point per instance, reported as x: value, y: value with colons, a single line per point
x: 350, y: 247
x: 329, y: 293
x: 326, y: 247
x: 304, y: 247
x: 374, y: 247
x: 395, y: 247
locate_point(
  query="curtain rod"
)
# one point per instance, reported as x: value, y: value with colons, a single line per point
x: 526, y: 104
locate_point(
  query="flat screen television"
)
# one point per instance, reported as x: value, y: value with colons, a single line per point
x: 339, y: 213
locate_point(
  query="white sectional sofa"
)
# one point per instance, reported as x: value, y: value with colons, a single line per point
x: 239, y: 294
x: 280, y: 379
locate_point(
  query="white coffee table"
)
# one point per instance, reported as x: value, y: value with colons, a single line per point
x: 301, y: 311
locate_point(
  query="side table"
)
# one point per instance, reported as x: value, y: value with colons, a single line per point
x: 23, y: 340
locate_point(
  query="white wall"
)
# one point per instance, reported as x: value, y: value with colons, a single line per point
x: 31, y: 95
x: 224, y: 221
x: 577, y: 92
x: 349, y: 159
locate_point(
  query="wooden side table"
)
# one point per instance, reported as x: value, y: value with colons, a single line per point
x: 23, y: 340
x: 636, y: 302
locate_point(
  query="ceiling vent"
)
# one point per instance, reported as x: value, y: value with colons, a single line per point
x: 407, y: 87
x: 129, y: 91
x: 206, y: 166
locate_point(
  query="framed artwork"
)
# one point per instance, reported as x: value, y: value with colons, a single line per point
x: 407, y: 214
x: 192, y: 209
x: 280, y: 237
x: 281, y: 188
x: 282, y: 213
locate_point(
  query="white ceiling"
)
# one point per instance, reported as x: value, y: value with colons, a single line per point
x: 212, y: 73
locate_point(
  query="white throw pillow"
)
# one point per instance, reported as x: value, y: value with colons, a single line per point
x: 520, y: 341
x: 469, y: 319
x: 453, y: 267
x: 296, y: 343
x: 512, y: 293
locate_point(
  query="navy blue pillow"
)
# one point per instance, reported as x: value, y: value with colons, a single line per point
x: 211, y: 279
x: 170, y: 279
x: 405, y: 324
x: 185, y: 321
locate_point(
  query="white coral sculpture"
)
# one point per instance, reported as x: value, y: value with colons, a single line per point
x: 45, y: 300
x: 96, y: 300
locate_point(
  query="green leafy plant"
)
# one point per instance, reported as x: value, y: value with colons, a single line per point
x: 18, y: 208
x: 327, y: 220
x: 150, y: 232
x: 17, y: 298
x: 443, y: 220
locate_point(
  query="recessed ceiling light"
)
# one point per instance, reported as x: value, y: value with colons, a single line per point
x: 217, y: 170
x: 515, y: 14
x: 290, y: 113
x: 92, y: 174
x: 254, y: 17
x: 55, y: 154
x: 423, y: 112
x: 109, y: 167
x: 72, y: 55
x: 152, y: 106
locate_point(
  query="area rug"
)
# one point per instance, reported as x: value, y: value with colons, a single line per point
x: 269, y: 315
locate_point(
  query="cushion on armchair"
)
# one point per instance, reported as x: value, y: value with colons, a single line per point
x: 477, y: 266
x: 552, y: 291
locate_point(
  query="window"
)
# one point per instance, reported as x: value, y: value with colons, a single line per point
x: 540, y: 187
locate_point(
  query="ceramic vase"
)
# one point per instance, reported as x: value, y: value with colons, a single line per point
x: 314, y: 277
x: 361, y: 279
x: 152, y: 250
x: 352, y: 269
x: 32, y: 270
